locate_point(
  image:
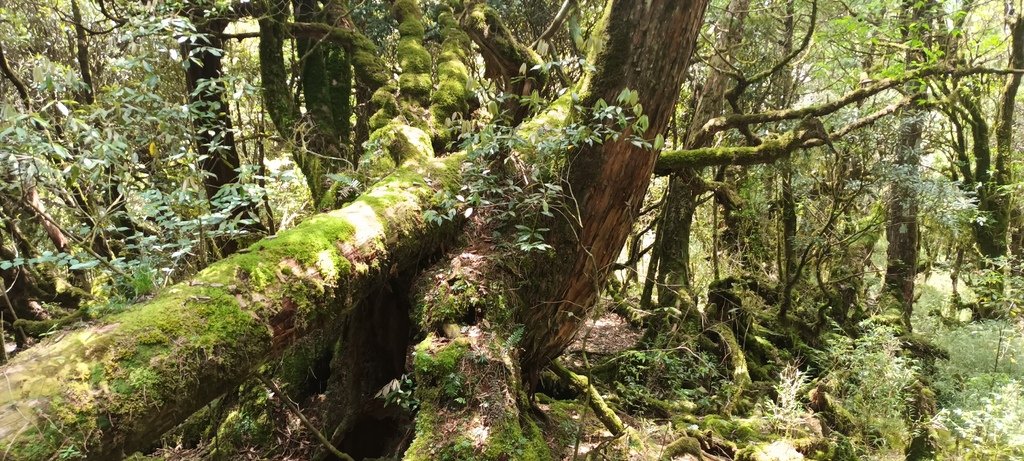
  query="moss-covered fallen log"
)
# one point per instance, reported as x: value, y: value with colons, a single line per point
x: 108, y: 390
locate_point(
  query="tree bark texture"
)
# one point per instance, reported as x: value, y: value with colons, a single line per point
x: 608, y: 182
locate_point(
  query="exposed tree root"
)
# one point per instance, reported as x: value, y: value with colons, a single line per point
x: 738, y: 363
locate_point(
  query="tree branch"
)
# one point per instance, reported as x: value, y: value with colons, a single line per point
x: 556, y: 23
x: 724, y: 123
x: 19, y: 85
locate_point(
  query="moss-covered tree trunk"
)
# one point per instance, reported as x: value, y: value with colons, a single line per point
x: 471, y: 381
x: 902, y: 203
x: 994, y: 201
x: 681, y: 202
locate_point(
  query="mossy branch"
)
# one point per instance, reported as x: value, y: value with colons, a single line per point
x: 767, y: 152
x: 727, y: 122
x: 511, y: 64
x: 601, y: 409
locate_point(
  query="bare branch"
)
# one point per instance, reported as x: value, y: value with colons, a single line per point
x: 556, y: 23
x: 19, y: 85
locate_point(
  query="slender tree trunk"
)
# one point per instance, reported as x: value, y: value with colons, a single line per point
x: 902, y: 208
x: 788, y: 272
x: 214, y: 134
x: 680, y: 205
x: 82, y: 54
x: 674, y: 276
x: 1004, y: 146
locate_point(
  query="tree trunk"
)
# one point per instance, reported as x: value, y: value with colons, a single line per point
x: 902, y: 225
x: 608, y: 182
x: 674, y: 277
x: 211, y: 119
x: 681, y: 203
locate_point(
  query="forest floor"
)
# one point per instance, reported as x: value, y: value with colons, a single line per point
x: 979, y: 393
x: 665, y: 395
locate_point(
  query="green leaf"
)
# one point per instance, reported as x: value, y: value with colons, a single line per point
x: 84, y: 265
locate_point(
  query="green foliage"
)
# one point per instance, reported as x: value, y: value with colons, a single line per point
x: 992, y: 428
x: 120, y: 174
x: 872, y: 377
x: 518, y: 207
x: 980, y: 391
x: 787, y: 412
x: 652, y: 380
x: 400, y: 391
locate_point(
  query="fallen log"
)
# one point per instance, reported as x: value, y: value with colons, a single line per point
x: 110, y: 389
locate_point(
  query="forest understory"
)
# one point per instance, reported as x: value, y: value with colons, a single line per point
x: 843, y: 398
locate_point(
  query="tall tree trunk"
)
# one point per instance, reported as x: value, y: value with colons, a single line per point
x: 608, y: 182
x: 902, y: 224
x: 674, y: 276
x: 214, y: 134
x: 788, y: 272
x: 1004, y: 214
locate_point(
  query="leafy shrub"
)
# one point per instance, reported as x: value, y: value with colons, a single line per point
x: 786, y: 412
x: 871, y: 379
x: 993, y: 429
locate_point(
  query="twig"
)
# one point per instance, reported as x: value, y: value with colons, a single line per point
x: 294, y: 408
x: 19, y: 85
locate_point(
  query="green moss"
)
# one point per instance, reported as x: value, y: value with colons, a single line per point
x: 448, y: 303
x: 518, y: 438
x: 554, y: 116
x: 452, y: 94
x: 770, y: 149
x: 737, y: 430
x: 434, y: 358
x: 391, y: 145
x: 387, y: 107
x: 249, y: 424
x: 415, y: 86
x: 413, y: 57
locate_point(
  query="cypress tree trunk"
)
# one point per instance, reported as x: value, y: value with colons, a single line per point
x: 609, y: 181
